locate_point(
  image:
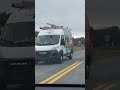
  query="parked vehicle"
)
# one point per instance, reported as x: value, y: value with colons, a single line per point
x: 52, y: 44
x: 17, y: 49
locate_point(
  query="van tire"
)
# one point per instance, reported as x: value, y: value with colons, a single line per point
x: 60, y: 59
x: 87, y: 65
x: 70, y: 56
x: 87, y: 71
x: 2, y: 85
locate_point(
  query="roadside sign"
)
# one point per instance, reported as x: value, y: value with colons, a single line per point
x: 107, y: 38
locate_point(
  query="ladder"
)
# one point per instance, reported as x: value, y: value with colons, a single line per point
x: 53, y: 26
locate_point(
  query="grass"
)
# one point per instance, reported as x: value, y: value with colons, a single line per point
x: 79, y: 48
x: 98, y: 54
x: 103, y: 54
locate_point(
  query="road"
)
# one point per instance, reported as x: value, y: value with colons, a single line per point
x: 105, y: 74
x: 69, y: 72
x: 59, y: 88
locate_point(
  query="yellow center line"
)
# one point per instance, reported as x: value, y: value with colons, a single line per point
x: 53, y: 76
x: 109, y: 87
x: 64, y: 73
x: 100, y: 87
x: 105, y: 86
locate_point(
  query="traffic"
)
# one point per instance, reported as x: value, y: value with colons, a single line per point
x: 52, y: 44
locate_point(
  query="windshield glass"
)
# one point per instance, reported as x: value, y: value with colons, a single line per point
x: 47, y: 40
x: 19, y: 32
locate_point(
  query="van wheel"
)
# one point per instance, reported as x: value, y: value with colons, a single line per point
x: 87, y: 71
x: 70, y: 56
x: 60, y: 59
x: 2, y: 85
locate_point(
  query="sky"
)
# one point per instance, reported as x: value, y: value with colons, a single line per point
x: 69, y: 13
x: 103, y: 13
x: 5, y: 5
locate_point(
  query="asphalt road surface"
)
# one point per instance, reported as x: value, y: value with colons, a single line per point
x: 59, y: 88
x: 69, y: 72
x: 105, y: 74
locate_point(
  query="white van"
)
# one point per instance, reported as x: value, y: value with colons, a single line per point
x: 17, y: 48
x: 52, y: 44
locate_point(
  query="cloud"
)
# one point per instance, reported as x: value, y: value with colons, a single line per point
x: 103, y: 13
x: 68, y: 13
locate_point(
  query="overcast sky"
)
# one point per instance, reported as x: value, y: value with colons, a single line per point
x: 103, y: 13
x: 69, y: 13
x: 5, y: 5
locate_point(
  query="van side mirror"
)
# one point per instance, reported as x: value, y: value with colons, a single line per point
x: 62, y: 42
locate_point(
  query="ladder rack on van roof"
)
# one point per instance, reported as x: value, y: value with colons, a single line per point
x: 53, y: 26
x: 23, y: 5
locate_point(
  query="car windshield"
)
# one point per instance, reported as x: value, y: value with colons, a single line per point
x: 19, y: 32
x: 47, y: 40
